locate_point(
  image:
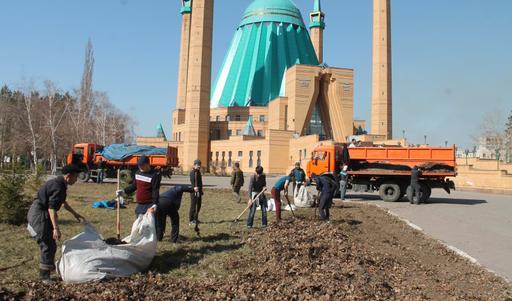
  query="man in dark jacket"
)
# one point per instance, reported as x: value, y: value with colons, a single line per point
x: 415, y: 185
x: 257, y: 184
x: 147, y: 187
x: 169, y: 205
x: 196, y: 196
x: 298, y: 177
x: 237, y: 181
x: 327, y: 187
x: 42, y: 217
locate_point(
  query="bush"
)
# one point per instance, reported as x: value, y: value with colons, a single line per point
x: 13, y: 203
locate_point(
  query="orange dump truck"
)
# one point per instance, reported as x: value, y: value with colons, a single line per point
x: 94, y: 157
x: 388, y: 169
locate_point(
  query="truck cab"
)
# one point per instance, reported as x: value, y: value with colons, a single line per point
x: 83, y: 153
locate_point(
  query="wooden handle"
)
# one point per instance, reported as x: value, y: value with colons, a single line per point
x: 253, y: 200
x: 118, y: 219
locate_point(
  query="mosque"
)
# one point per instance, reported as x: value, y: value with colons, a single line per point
x: 273, y: 100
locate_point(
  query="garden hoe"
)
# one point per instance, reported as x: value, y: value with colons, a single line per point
x: 249, y: 206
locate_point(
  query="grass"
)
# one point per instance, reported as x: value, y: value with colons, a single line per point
x: 192, y: 257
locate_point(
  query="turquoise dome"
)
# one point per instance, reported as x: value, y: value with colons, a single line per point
x: 270, y: 39
x: 283, y: 11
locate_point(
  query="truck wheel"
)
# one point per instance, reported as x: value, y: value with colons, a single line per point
x: 426, y: 191
x: 389, y: 192
x: 84, y: 176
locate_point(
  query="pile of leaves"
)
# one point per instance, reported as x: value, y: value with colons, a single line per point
x: 303, y: 259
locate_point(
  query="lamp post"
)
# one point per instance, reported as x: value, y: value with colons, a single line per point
x: 498, y: 159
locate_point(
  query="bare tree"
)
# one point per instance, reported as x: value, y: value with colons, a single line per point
x: 54, y: 116
x: 29, y: 102
x: 491, y: 132
x: 103, y: 108
x: 82, y: 113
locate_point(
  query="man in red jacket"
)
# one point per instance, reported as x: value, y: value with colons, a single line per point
x: 147, y: 187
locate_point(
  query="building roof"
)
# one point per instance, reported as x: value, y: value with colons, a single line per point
x: 271, y: 38
x: 282, y: 11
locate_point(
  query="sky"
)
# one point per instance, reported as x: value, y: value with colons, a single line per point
x: 451, y: 58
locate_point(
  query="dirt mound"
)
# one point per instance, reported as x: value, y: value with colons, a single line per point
x: 363, y: 255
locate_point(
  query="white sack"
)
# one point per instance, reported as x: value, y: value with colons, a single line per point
x: 303, y: 198
x: 87, y: 257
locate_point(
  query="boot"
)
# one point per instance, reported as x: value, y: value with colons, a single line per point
x: 44, y: 276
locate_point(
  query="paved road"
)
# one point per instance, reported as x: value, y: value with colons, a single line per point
x: 477, y: 223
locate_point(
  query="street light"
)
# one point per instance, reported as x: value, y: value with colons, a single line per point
x: 425, y: 139
x: 498, y: 159
x: 403, y: 134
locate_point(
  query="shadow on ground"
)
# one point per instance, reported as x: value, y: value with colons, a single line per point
x: 434, y: 200
x: 456, y: 201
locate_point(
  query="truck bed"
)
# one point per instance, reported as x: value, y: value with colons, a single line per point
x: 405, y: 156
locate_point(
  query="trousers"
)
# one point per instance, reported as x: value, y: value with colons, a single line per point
x: 40, y: 223
x: 195, y: 206
x: 325, y: 205
x: 252, y: 211
x: 276, y: 195
x: 171, y: 210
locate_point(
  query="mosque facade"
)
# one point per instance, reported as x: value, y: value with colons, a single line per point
x: 272, y: 101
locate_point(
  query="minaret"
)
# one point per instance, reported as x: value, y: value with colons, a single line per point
x: 382, y: 115
x: 186, y: 9
x: 317, y: 27
x: 197, y: 108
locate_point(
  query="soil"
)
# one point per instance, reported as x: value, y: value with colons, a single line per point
x: 363, y: 254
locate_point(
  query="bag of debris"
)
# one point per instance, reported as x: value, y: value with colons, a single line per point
x: 87, y: 257
x: 303, y: 198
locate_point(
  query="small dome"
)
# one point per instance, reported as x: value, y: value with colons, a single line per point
x: 284, y: 11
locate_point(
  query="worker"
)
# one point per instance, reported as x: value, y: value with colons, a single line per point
x: 415, y: 185
x: 327, y: 187
x: 345, y: 156
x: 101, y: 171
x: 43, y: 222
x: 298, y: 177
x: 146, y: 185
x: 343, y: 182
x: 353, y: 143
x: 169, y: 204
x: 197, y: 195
x: 237, y: 181
x: 280, y: 185
x: 257, y: 184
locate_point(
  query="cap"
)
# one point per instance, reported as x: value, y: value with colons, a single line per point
x: 143, y: 160
x: 197, y: 162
